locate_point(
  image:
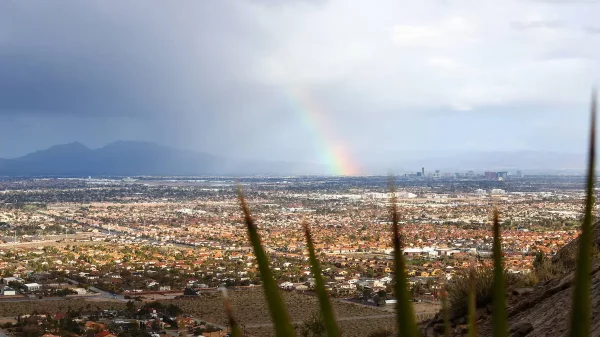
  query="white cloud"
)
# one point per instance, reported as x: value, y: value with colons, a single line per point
x: 463, y: 54
x: 448, y: 33
x: 406, y: 35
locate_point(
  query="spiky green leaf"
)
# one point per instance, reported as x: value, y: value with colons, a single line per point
x: 580, y: 311
x: 331, y: 326
x: 405, y: 314
x: 233, y: 324
x: 277, y: 309
x: 499, y: 316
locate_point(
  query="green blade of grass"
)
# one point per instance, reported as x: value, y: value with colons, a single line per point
x: 235, y: 327
x: 405, y: 315
x: 580, y: 311
x: 279, y: 313
x: 331, y: 326
x: 499, y: 316
x: 471, y: 304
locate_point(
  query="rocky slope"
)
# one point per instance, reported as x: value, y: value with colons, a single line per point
x: 543, y: 310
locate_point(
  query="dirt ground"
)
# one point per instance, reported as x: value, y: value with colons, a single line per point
x: 250, y: 309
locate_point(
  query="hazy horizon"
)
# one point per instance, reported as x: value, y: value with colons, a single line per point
x: 406, y: 163
x: 339, y: 83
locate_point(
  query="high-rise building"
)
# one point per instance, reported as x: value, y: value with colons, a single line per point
x: 491, y: 175
x: 423, y: 171
x: 502, y: 175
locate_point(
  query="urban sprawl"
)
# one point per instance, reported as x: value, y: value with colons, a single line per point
x: 138, y: 240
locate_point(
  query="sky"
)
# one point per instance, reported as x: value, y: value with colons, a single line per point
x: 345, y: 83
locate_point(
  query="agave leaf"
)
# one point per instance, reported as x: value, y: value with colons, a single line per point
x: 279, y: 313
x: 331, y: 326
x: 580, y: 311
x: 472, y: 323
x: 235, y: 327
x: 405, y: 314
x: 499, y: 316
x: 445, y: 311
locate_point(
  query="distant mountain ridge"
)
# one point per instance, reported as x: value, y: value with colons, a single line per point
x: 131, y: 158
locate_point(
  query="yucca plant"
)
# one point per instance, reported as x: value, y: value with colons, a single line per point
x: 580, y: 311
x: 331, y: 326
x: 233, y: 324
x: 277, y: 309
x: 499, y: 316
x: 405, y: 315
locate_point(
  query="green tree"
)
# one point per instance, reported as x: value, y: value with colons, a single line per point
x: 130, y: 306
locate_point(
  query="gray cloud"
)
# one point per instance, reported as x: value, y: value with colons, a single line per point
x: 533, y: 24
x: 283, y: 3
x: 592, y: 30
x: 566, y: 1
x: 291, y: 80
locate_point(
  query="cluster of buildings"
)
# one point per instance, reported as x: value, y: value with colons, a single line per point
x: 487, y: 175
x: 151, y: 319
x: 35, y: 285
x: 173, y: 238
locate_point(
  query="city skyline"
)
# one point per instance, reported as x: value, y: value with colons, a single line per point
x: 134, y: 158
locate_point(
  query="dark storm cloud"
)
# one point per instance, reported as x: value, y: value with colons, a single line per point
x: 221, y: 76
x: 184, y: 74
x: 73, y: 57
x: 52, y: 62
x: 38, y: 84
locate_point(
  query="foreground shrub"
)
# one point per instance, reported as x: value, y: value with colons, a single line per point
x: 459, y: 287
x: 545, y: 269
x: 313, y: 327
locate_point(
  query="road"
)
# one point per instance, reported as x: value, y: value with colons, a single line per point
x: 44, y: 299
x: 106, y: 294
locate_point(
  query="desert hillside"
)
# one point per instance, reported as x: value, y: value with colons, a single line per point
x: 542, y: 310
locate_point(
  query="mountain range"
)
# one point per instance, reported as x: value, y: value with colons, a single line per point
x: 132, y: 158
x: 135, y: 158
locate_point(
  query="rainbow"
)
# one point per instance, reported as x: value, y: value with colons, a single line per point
x: 333, y: 153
